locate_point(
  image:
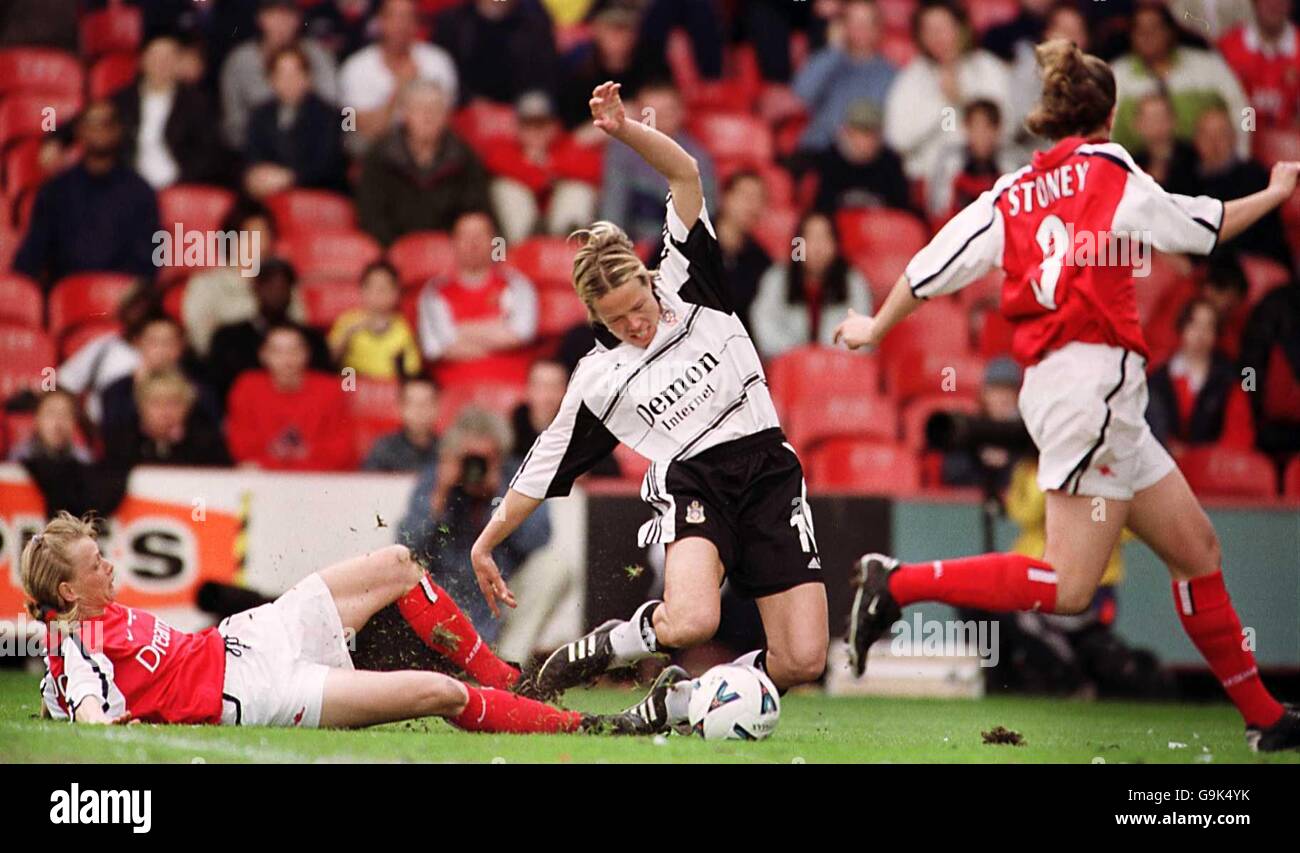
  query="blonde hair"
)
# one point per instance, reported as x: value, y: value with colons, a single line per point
x: 606, y: 260
x: 163, y: 381
x: 1078, y: 91
x: 47, y: 562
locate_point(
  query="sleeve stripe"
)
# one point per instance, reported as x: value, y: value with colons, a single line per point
x: 103, y: 679
x: 957, y: 254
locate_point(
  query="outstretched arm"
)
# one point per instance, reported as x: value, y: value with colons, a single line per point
x: 859, y: 330
x: 1241, y: 213
x: 658, y: 149
x: 514, y: 508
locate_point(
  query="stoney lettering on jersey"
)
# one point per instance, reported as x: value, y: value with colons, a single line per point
x: 676, y: 391
x: 1043, y: 190
x: 73, y: 806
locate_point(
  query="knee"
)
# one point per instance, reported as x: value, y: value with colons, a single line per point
x: 683, y: 628
x: 438, y: 695
x: 399, y: 566
x: 1072, y: 598
x: 800, y: 664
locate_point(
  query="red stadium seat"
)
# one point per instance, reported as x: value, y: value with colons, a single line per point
x: 25, y: 355
x: 558, y: 311
x: 775, y: 231
x: 873, y: 229
x: 1262, y: 275
x: 915, y: 373
x: 89, y: 297
x: 986, y: 14
x: 814, y: 372
x: 85, y: 333
x: 197, y: 207
x: 734, y: 138
x: 547, y: 261
x: 896, y: 15
x: 918, y: 411
x: 943, y: 326
x: 26, y: 114
x: 331, y: 254
x: 497, y: 397
x: 375, y: 410
x: 23, y: 169
x: 484, y: 121
x: 681, y: 62
x: 9, y: 242
x: 725, y: 95
x: 422, y: 255
x: 881, y: 267
x: 631, y: 465
x: 1275, y: 144
x: 1291, y: 479
x: 874, y: 467
x: 996, y: 334
x: 112, y: 73
x: 116, y: 29
x: 1227, y: 472
x: 898, y: 48
x: 325, y: 299
x: 314, y: 210
x: 174, y: 298
x: 40, y: 71
x: 814, y: 420
x: 21, y: 301
x: 18, y: 427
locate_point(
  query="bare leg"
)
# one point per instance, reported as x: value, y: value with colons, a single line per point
x: 354, y: 698
x: 795, y: 622
x: 362, y: 586
x: 692, y: 605
x: 1081, y: 535
x: 1170, y: 520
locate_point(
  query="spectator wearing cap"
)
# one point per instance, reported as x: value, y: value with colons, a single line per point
x: 488, y: 40
x: 97, y: 216
x: 1196, y: 396
x: 922, y: 110
x: 374, y: 339
x: 859, y: 169
x: 839, y: 75
x: 476, y: 322
x: 286, y: 417
x: 607, y: 55
x: 245, y: 79
x: 632, y: 192
x: 167, y: 429
x: 744, y: 260
x: 371, y: 80
x: 800, y: 302
x: 990, y: 466
x: 419, y: 175
x: 294, y: 138
x: 414, y: 446
x: 1265, y: 56
x: 544, y: 180
x: 167, y: 125
x: 970, y: 167
x: 236, y: 346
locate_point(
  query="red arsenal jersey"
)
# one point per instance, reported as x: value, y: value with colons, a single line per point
x: 130, y: 660
x: 1070, y: 231
x: 1270, y: 74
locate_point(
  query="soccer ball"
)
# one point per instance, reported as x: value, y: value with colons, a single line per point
x: 734, y: 702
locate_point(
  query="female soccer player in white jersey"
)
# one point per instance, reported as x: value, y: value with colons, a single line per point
x: 1084, y: 395
x: 675, y: 376
x: 282, y: 664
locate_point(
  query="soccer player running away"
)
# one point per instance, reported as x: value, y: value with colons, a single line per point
x: 1084, y: 396
x: 675, y: 376
x: 285, y: 663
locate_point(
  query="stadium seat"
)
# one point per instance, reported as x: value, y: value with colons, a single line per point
x: 497, y: 397
x: 881, y: 268
x: 331, y: 254
x: 775, y: 231
x: 18, y: 427
x: 377, y: 399
x: 111, y: 74
x: 21, y: 301
x: 174, y: 298
x: 547, y: 261
x: 896, y: 15
x: 874, y: 467
x: 917, y: 412
x: 324, y: 299
x: 986, y: 14
x: 311, y: 210
x: 558, y: 311
x: 24, y: 354
x: 9, y: 243
x: 197, y: 207
x: 23, y: 169
x: 421, y: 255
x: 812, y: 421
x: 984, y: 291
x: 115, y: 29
x: 995, y: 335
x: 723, y: 95
x: 915, y: 373
x: 40, y: 71
x: 481, y: 121
x: 1227, y: 472
x: 90, y: 297
x: 1262, y: 275
x: 1275, y: 144
x: 813, y: 372
x: 734, y: 138
x: 898, y: 48
x: 943, y: 326
x: 874, y: 229
x: 25, y: 114
x: 1291, y: 479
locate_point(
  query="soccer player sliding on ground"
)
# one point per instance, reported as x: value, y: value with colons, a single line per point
x: 1084, y: 395
x: 675, y: 376
x: 282, y: 664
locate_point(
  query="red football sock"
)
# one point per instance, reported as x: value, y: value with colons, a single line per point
x: 498, y: 711
x: 1212, y: 624
x: 442, y: 626
x: 987, y: 582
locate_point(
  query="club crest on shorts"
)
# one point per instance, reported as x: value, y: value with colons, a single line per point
x: 695, y: 513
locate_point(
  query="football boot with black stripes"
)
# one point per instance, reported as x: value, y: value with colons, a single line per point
x: 1284, y: 734
x: 654, y: 707
x: 579, y: 662
x: 874, y: 608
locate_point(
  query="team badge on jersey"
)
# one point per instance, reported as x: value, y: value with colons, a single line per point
x: 670, y: 317
x: 695, y: 513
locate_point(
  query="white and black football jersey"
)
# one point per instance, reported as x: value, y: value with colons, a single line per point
x: 698, y: 384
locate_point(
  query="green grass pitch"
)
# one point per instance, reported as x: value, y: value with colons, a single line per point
x: 814, y: 729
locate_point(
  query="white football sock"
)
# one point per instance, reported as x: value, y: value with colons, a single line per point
x: 679, y: 701
x: 634, y: 639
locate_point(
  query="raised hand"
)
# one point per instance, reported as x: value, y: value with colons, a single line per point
x: 607, y: 107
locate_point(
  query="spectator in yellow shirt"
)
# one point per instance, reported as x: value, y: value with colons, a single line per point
x: 375, y: 338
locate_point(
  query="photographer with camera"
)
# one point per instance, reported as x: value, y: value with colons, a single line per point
x: 453, y: 500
